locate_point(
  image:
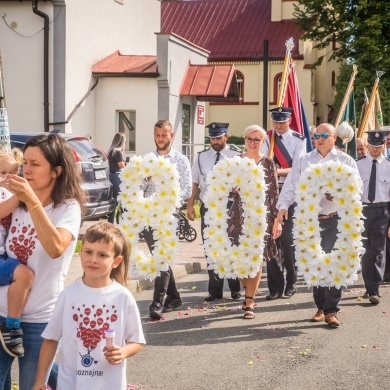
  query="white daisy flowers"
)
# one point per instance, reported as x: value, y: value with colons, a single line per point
x: 227, y: 260
x: 338, y: 268
x: 155, y: 211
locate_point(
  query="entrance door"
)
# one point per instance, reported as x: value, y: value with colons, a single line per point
x: 186, y: 131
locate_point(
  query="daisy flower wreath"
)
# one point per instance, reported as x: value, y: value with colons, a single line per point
x: 338, y: 268
x: 227, y: 260
x: 155, y: 211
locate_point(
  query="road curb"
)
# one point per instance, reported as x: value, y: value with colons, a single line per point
x: 179, y: 270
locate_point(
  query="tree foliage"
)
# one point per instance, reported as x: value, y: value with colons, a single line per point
x: 361, y: 31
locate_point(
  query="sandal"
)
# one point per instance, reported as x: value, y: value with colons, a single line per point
x: 243, y: 307
x: 249, y: 311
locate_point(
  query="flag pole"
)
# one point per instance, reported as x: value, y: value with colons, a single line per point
x: 283, y: 87
x: 4, y: 129
x: 346, y: 96
x: 364, y: 108
x: 370, y: 103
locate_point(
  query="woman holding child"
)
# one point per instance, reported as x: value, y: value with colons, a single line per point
x: 42, y: 235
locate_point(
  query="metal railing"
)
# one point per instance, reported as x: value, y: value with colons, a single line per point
x: 191, y: 150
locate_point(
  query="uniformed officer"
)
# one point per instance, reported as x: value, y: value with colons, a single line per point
x: 374, y: 170
x: 218, y: 134
x: 289, y: 146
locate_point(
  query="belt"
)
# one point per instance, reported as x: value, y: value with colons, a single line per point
x: 372, y: 205
x: 323, y: 216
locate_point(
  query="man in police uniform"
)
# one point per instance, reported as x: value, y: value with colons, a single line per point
x: 289, y: 146
x: 202, y: 165
x: 374, y: 169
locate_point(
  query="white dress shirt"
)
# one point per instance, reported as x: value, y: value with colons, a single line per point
x: 183, y: 168
x: 382, y: 184
x: 287, y: 195
x: 204, y: 163
x: 296, y: 147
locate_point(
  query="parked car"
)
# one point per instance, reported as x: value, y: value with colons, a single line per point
x: 92, y: 164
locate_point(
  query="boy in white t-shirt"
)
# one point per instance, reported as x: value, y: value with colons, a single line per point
x: 97, y: 303
x: 12, y: 271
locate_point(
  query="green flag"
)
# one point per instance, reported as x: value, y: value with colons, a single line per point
x: 349, y: 116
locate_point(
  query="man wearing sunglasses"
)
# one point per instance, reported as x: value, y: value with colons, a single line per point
x: 203, y: 164
x: 325, y: 298
x: 374, y: 169
x: 289, y: 146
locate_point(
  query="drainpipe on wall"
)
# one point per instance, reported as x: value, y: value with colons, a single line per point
x: 45, y: 63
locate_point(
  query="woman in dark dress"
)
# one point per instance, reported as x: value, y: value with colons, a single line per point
x: 116, y: 163
x: 254, y: 138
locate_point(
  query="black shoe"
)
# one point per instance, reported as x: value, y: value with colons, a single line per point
x: 12, y: 341
x: 290, y: 291
x: 273, y: 295
x: 171, y: 305
x: 235, y: 295
x: 212, y: 298
x: 155, y: 310
x: 366, y: 295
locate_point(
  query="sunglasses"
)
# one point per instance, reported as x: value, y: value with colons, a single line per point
x: 323, y: 135
x: 254, y: 140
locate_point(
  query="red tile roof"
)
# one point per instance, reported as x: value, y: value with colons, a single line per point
x: 117, y: 64
x: 229, y: 29
x: 210, y: 83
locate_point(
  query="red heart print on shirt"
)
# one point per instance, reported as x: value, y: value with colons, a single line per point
x: 22, y: 241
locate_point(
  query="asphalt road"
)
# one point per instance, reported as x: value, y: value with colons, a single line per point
x: 212, y: 347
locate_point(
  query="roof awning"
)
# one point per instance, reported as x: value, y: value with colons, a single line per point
x: 210, y: 83
x: 120, y: 65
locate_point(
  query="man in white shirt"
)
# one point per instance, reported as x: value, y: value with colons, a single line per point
x: 374, y: 169
x: 165, y: 284
x: 289, y: 147
x: 325, y: 298
x: 203, y: 164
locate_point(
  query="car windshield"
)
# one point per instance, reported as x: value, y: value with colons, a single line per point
x: 86, y: 150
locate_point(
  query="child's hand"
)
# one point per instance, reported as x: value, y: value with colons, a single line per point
x: 113, y: 354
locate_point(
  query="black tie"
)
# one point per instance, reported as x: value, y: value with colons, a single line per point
x: 372, y: 182
x: 281, y: 137
x: 217, y: 158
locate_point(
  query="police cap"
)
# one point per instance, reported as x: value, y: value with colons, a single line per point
x: 377, y: 137
x: 217, y: 129
x: 281, y: 114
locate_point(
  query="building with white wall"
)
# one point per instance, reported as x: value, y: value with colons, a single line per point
x: 104, y: 71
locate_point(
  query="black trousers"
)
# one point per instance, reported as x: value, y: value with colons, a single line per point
x: 165, y: 283
x: 373, y: 260
x: 327, y: 298
x: 215, y: 282
x: 285, y: 258
x: 387, y: 267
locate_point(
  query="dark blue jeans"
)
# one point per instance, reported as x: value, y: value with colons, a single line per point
x: 115, y: 181
x: 28, y: 364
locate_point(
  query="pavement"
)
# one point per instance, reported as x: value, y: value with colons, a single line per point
x: 201, y: 346
x: 189, y: 259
